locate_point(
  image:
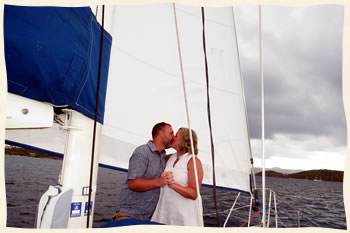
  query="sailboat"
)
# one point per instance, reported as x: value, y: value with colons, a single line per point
x: 317, y: 179
x: 152, y: 68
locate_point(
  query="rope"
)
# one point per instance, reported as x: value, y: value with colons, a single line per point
x: 238, y: 208
x: 188, y: 117
x: 47, y: 203
x: 209, y: 121
x: 95, y: 120
x: 249, y: 219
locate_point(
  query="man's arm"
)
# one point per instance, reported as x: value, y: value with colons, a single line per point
x: 142, y: 185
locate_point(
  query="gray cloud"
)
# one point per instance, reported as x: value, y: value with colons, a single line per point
x: 302, y: 70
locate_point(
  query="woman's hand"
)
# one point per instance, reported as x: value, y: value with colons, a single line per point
x: 191, y: 190
x: 168, y: 176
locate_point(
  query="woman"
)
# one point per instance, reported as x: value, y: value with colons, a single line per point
x: 178, y: 202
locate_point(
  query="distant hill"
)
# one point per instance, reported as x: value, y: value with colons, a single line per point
x: 13, y: 150
x: 280, y: 170
x: 321, y: 175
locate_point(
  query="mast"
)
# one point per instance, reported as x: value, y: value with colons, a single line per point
x: 77, y: 165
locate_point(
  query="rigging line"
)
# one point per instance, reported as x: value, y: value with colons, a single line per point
x: 196, y: 16
x: 226, y: 211
x: 249, y: 219
x: 199, y: 212
x: 209, y: 120
x: 238, y: 208
x: 262, y: 121
x: 228, y: 216
x: 95, y: 120
x: 96, y: 11
x: 244, y: 101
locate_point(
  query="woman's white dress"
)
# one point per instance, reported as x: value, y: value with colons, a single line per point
x: 172, y: 207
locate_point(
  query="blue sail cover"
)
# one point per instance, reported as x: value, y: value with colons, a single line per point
x: 52, y: 55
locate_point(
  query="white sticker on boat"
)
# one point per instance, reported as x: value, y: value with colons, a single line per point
x: 75, y: 210
x: 86, y: 208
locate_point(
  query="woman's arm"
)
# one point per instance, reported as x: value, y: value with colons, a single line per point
x: 191, y: 190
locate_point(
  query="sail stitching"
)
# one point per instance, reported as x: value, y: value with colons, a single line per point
x: 170, y: 74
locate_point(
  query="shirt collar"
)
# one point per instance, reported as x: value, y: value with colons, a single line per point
x: 154, y: 148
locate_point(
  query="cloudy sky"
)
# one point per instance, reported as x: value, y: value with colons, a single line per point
x: 305, y: 125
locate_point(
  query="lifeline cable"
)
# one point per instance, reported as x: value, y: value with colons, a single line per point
x: 209, y: 121
x: 95, y: 120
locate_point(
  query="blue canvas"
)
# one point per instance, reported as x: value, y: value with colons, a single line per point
x: 52, y: 55
x: 128, y: 222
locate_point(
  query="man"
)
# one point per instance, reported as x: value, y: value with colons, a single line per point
x: 140, y: 194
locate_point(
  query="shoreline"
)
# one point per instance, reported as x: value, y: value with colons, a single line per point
x: 320, y: 174
x: 11, y: 150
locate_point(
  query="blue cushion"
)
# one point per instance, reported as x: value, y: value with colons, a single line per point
x: 128, y: 222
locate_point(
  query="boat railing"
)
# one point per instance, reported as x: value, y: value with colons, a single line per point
x: 272, y: 194
x: 271, y: 207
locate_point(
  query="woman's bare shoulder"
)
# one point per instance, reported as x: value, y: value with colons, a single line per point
x: 190, y: 161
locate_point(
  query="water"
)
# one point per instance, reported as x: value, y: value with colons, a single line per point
x: 320, y: 203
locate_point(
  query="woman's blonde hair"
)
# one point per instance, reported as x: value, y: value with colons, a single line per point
x: 185, y: 142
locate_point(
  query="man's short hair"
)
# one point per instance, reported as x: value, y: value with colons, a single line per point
x: 158, y: 127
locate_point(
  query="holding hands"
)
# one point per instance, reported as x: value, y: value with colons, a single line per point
x: 167, y: 178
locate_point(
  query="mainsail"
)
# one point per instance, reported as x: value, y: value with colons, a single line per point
x: 145, y: 87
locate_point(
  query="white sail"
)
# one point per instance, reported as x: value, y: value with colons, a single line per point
x: 145, y: 87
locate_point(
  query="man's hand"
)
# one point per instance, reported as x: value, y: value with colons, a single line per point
x: 142, y: 185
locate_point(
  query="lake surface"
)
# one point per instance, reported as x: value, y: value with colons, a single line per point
x: 320, y: 204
